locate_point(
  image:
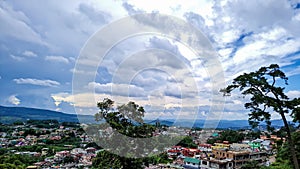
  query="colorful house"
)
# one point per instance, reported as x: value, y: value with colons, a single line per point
x: 191, y: 163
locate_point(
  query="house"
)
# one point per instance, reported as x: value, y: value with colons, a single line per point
x: 240, y: 157
x: 191, y: 163
x: 216, y: 164
x: 174, y: 151
x: 91, y: 150
x: 190, y: 152
x: 255, y: 144
x: 220, y: 146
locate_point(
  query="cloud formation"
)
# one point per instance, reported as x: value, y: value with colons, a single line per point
x: 57, y: 59
x: 14, y: 100
x: 246, y: 35
x: 29, y: 53
x: 38, y: 82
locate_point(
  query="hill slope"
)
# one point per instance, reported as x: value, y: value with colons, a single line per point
x: 11, y: 114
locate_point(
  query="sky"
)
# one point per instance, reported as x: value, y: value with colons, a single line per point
x: 45, y: 49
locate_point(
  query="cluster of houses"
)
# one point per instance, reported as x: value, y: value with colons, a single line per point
x: 78, y: 157
x: 218, y: 156
x: 71, y: 157
x: 222, y: 155
x: 205, y: 156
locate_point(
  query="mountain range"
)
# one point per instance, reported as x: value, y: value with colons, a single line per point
x: 12, y: 114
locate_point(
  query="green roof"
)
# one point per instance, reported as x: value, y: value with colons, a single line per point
x: 215, y: 134
x: 192, y: 160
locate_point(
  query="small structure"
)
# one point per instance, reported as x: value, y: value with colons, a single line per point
x: 191, y: 163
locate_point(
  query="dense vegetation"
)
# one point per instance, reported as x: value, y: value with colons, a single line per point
x: 17, y: 161
x: 107, y: 160
x: 227, y: 135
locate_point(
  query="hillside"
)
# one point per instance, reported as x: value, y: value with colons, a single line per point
x: 11, y: 114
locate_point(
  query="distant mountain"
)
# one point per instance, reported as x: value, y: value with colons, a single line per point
x: 11, y: 114
x: 222, y: 124
x: 202, y: 123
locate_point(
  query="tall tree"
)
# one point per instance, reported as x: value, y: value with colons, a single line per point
x: 126, y: 118
x: 266, y: 95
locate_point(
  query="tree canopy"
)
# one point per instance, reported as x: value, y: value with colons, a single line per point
x: 265, y: 87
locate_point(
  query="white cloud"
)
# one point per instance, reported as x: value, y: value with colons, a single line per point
x: 57, y: 59
x: 294, y: 71
x: 29, y: 53
x: 49, y: 83
x: 22, y: 58
x: 59, y: 97
x: 118, y: 89
x: 17, y: 58
x: 247, y: 35
x: 293, y: 94
x: 15, y: 24
x: 14, y: 100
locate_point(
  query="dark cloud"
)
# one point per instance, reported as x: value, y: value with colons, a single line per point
x: 130, y: 9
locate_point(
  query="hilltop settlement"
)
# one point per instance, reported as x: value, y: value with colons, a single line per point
x: 53, y: 144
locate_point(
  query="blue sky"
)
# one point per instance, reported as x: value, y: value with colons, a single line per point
x: 40, y: 44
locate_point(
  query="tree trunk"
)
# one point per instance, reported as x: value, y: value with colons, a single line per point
x: 290, y: 141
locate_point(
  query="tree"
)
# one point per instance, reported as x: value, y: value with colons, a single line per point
x: 127, y: 118
x: 107, y: 160
x: 187, y: 142
x: 250, y: 165
x: 265, y: 96
x: 284, y: 151
x: 68, y: 159
x: 228, y: 135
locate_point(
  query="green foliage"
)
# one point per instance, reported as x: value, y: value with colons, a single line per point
x: 266, y: 95
x: 227, y: 135
x: 253, y: 134
x: 107, y: 160
x: 9, y: 166
x: 44, y: 123
x: 29, y: 131
x: 75, y: 141
x: 4, y: 128
x: 70, y: 124
x: 127, y: 118
x: 284, y: 153
x: 250, y: 165
x: 18, y: 123
x: 279, y: 164
x: 187, y: 142
x: 282, y: 133
x: 68, y: 159
x: 33, y: 148
x: 17, y: 161
x: 3, y: 151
